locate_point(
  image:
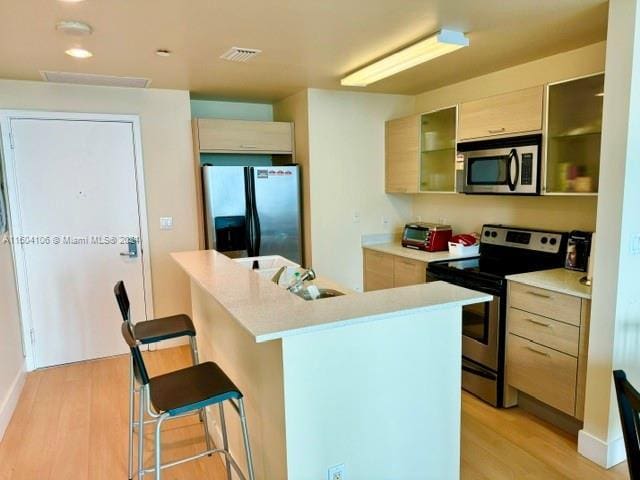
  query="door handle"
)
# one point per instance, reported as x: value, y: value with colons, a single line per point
x: 538, y: 351
x: 536, y: 322
x: 133, y: 248
x: 497, y: 130
x: 539, y: 295
x: 512, y: 182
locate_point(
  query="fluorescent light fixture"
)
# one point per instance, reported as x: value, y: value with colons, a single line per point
x: 78, y: 53
x: 443, y: 42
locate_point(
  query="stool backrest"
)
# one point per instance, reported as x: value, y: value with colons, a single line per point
x: 139, y: 368
x: 123, y: 300
x: 629, y: 406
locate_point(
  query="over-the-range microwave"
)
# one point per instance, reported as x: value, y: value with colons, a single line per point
x: 510, y: 166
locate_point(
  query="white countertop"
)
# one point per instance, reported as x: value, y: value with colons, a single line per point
x: 558, y: 280
x: 396, y: 248
x: 269, y: 312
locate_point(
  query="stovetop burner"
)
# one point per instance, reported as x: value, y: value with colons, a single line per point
x: 504, y: 251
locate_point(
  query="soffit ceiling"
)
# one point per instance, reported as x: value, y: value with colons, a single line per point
x: 305, y: 43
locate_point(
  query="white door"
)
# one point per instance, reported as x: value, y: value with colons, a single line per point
x: 77, y: 206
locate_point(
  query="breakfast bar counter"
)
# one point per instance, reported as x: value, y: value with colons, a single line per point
x: 369, y: 380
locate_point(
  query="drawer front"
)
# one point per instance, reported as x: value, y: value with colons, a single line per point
x: 408, y: 272
x: 378, y: 270
x: 547, y: 332
x: 543, y: 373
x: 558, y: 306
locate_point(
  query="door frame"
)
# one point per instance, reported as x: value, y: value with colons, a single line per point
x: 15, y: 219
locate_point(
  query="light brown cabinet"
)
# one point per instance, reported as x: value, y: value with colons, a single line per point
x: 239, y: 136
x: 383, y: 270
x: 402, y: 163
x: 407, y: 271
x: 547, y: 346
x: 510, y: 113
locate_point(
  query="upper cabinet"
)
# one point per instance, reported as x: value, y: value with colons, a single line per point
x: 574, y: 126
x: 511, y: 113
x: 239, y: 136
x: 438, y: 151
x: 402, y: 144
x: 420, y: 152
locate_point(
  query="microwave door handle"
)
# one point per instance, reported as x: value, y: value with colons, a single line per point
x: 513, y: 182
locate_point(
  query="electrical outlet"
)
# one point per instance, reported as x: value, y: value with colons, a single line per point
x: 385, y: 221
x: 337, y: 472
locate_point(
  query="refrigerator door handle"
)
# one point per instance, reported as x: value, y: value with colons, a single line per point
x: 252, y: 218
x: 255, y: 218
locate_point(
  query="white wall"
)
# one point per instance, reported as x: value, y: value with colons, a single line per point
x: 614, y: 341
x: 372, y: 397
x: 165, y: 118
x: 11, y: 357
x: 346, y: 169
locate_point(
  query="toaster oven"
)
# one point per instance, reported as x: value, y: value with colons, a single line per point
x: 430, y: 237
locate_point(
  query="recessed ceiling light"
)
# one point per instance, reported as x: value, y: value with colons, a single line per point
x: 79, y: 53
x: 163, y: 52
x: 443, y: 42
x: 74, y: 27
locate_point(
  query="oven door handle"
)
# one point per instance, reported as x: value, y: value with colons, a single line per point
x: 512, y: 182
x: 478, y: 372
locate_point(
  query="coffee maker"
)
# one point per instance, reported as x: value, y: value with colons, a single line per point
x: 578, y: 251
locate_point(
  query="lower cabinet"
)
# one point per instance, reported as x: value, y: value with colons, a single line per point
x: 547, y: 338
x: 383, y: 270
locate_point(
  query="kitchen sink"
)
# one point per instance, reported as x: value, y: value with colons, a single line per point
x: 323, y: 293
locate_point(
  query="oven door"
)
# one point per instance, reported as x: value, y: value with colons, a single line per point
x: 480, y: 332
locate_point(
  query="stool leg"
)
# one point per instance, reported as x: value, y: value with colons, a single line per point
x: 225, y: 439
x: 203, y: 413
x: 158, y: 447
x: 245, y: 435
x: 131, y: 416
x: 141, y: 401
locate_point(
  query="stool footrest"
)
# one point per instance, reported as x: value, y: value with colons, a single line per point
x: 201, y: 455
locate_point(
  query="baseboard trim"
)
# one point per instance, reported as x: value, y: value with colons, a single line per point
x: 10, y: 401
x: 605, y: 454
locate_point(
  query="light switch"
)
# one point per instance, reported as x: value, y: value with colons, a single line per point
x: 166, y: 223
x: 635, y: 244
x: 356, y: 217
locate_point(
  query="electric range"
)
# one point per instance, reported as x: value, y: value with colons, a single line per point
x: 504, y: 251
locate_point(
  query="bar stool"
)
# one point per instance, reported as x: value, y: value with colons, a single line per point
x: 154, y: 331
x: 181, y: 393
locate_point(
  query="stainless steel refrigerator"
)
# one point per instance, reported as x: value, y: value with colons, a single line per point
x: 253, y: 211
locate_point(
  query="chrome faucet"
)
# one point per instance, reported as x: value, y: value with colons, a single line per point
x: 306, y: 275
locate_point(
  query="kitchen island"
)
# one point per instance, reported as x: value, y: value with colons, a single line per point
x: 369, y: 380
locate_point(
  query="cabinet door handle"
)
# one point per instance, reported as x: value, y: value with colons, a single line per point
x: 537, y: 322
x: 497, y: 130
x: 538, y: 351
x: 540, y: 295
x: 248, y: 146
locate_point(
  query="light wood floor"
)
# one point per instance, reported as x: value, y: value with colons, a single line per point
x: 71, y: 424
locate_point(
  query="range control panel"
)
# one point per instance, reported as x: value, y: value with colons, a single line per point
x: 540, y: 241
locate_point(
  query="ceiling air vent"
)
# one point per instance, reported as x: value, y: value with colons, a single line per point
x: 93, y: 79
x: 237, y: 54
